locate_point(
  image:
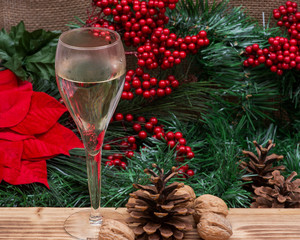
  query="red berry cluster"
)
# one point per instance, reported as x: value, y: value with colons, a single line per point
x: 185, y: 172
x: 165, y: 49
x: 115, y: 159
x: 289, y: 17
x: 162, y: 50
x: 282, y: 54
x: 143, y: 84
x: 137, y: 19
x: 144, y: 129
x: 141, y: 24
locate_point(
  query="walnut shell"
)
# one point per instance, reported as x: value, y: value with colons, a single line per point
x: 115, y: 230
x: 209, y: 203
x: 214, y: 226
x: 186, y: 189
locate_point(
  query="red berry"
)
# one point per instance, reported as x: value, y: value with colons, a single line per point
x: 107, y: 11
x: 129, y: 154
x: 255, y: 47
x: 190, y: 155
x: 117, y: 156
x: 160, y: 92
x: 182, y: 141
x: 129, y: 117
x: 191, y: 46
x: 168, y: 90
x: 248, y: 49
x: 188, y: 148
x: 170, y: 135
x: 157, y: 130
x: 142, y: 135
x: 116, y: 162
x: 126, y: 86
x: 178, y: 135
x: 108, y: 163
x: 152, y: 92
x: 107, y: 147
x: 181, y: 170
x: 131, y: 139
x: 139, y: 91
x: 137, y: 127
x: 119, y: 117
x: 153, y: 120
x: 273, y: 68
x: 123, y: 165
x: 279, y: 72
x: 171, y: 143
x: 202, y: 34
x: 141, y: 119
x: 185, y: 167
x: 181, y: 149
x: 190, y: 172
x: 146, y: 84
x: 160, y: 135
x: 149, y: 126
x: 146, y: 94
x: 162, y: 84
x: 182, y: 54
x: 261, y: 59
x: 245, y: 63
x: 153, y: 81
x: 175, y: 84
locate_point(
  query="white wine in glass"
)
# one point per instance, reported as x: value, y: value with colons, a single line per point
x: 90, y: 70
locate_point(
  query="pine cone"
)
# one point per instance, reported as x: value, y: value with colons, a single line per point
x: 260, y: 166
x: 158, y: 212
x: 282, y: 194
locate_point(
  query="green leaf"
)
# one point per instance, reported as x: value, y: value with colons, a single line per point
x: 29, y: 53
x: 7, y: 47
x: 15, y: 65
x: 17, y: 32
x: 36, y: 40
x: 41, y: 64
x: 4, y: 55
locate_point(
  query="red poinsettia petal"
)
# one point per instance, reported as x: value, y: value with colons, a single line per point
x: 14, y: 105
x: 10, y: 154
x: 8, y: 80
x: 72, y: 141
x: 58, y: 140
x: 30, y: 172
x: 43, y: 113
x: 9, y: 135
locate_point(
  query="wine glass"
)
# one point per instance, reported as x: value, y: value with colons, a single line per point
x: 90, y: 71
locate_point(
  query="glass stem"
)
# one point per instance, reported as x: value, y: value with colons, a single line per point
x: 93, y: 163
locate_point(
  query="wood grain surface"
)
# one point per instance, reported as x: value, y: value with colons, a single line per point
x: 47, y: 223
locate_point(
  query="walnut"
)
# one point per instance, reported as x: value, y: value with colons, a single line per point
x: 214, y: 226
x: 115, y: 230
x: 209, y: 203
x: 186, y: 189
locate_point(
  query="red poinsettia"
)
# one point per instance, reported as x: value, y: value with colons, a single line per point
x: 29, y: 132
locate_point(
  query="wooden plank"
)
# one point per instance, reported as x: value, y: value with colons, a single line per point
x: 47, y: 223
x: 263, y: 224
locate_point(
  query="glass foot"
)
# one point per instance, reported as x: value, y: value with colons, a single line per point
x: 78, y: 224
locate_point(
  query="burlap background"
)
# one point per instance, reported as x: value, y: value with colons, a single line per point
x: 46, y: 14
x: 55, y: 14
